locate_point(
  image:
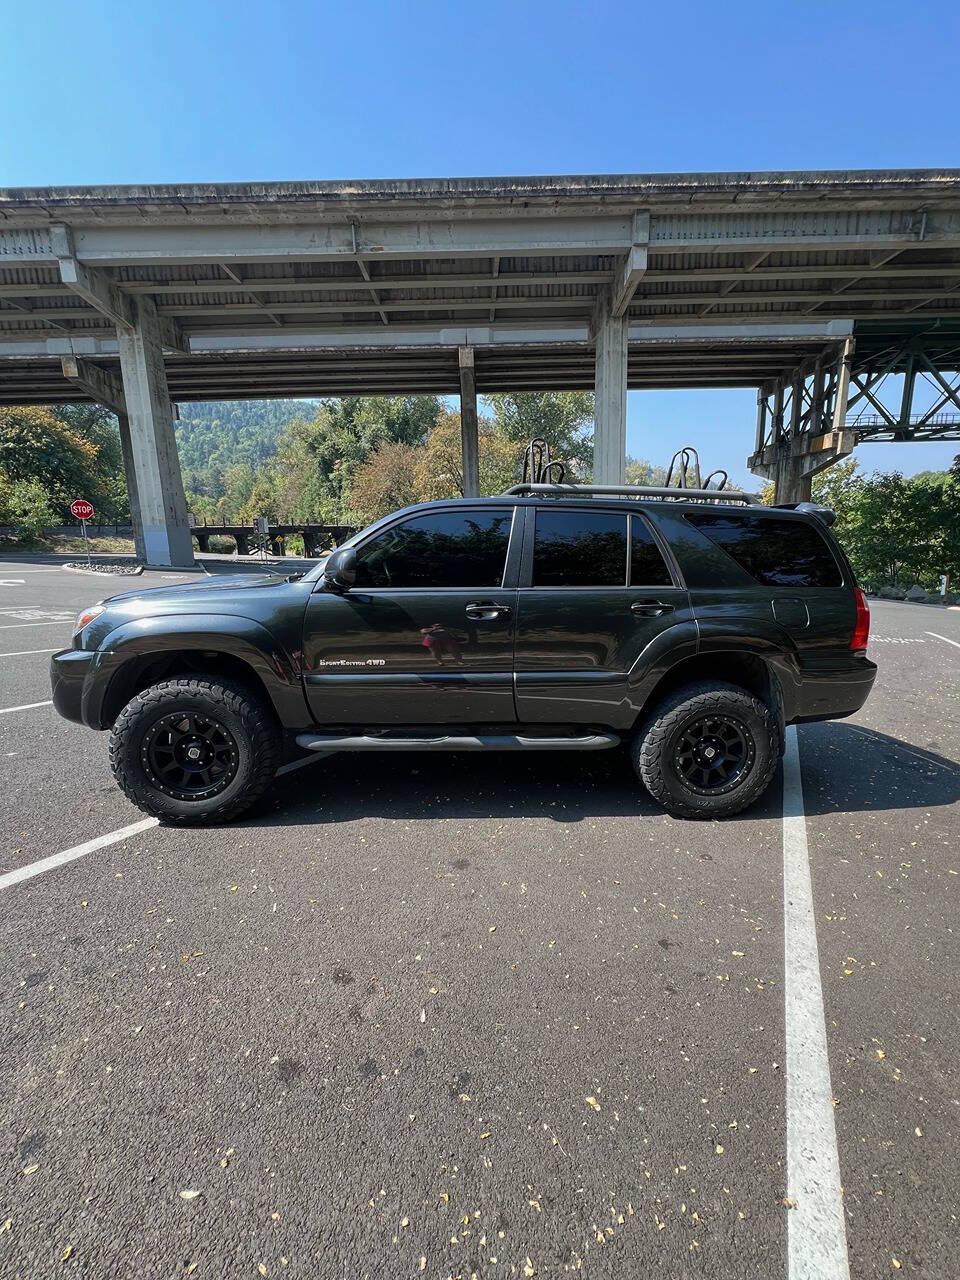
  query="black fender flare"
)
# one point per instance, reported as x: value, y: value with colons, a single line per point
x: 164, y: 635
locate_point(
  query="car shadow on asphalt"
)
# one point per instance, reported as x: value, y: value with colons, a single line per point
x: 846, y: 768
x: 850, y: 769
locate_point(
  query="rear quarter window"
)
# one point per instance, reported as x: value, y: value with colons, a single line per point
x: 777, y: 553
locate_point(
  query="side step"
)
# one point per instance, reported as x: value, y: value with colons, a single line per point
x: 451, y: 742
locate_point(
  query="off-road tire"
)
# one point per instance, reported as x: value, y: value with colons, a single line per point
x: 654, y: 744
x: 249, y: 722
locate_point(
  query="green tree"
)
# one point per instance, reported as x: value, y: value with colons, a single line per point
x: 440, y: 462
x: 35, y: 445
x: 640, y: 471
x: 386, y: 481
x: 563, y: 418
x: 26, y: 505
x: 319, y: 459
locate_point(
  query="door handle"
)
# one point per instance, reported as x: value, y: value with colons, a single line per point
x: 487, y: 612
x: 650, y: 608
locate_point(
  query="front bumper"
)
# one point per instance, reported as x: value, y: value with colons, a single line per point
x: 68, y: 673
x: 831, y: 695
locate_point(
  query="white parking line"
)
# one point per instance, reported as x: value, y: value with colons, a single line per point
x: 816, y: 1234
x: 23, y: 653
x: 299, y: 764
x: 70, y: 855
x: 57, y: 622
x: 937, y: 636
x: 113, y: 837
x: 26, y: 706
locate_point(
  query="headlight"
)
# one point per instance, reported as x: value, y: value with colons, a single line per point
x: 86, y: 617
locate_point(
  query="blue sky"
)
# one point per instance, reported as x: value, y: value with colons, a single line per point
x: 216, y: 91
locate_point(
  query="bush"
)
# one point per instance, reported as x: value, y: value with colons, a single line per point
x: 26, y: 505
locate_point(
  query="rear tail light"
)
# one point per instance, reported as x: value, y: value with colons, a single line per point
x: 861, y: 631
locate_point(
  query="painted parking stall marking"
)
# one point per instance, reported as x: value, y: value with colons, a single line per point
x: 946, y: 639
x: 38, y: 615
x: 26, y: 706
x: 78, y: 851
x: 23, y: 653
x: 816, y: 1233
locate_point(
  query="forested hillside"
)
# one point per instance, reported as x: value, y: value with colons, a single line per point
x: 214, y: 435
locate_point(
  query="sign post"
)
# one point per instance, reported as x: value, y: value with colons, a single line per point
x: 82, y: 510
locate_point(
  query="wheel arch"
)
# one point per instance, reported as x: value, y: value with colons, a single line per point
x: 141, y: 653
x: 750, y: 670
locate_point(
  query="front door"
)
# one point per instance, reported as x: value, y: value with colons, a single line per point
x: 425, y: 637
x: 595, y: 594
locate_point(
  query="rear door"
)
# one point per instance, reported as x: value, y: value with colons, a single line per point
x: 596, y: 590
x: 426, y: 634
x: 792, y: 574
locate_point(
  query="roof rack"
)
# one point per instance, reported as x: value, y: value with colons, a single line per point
x: 672, y: 494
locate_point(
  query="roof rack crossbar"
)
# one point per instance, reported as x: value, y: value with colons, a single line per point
x: 674, y: 492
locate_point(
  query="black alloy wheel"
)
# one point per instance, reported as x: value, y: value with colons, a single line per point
x: 708, y: 749
x: 714, y: 754
x: 189, y: 757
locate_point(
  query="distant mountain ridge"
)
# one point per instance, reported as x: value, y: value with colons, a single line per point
x: 213, y: 435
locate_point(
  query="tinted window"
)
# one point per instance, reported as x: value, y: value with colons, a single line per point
x: 647, y: 566
x: 580, y: 549
x: 443, y: 549
x: 778, y: 553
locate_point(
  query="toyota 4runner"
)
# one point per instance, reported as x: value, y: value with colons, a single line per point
x: 551, y: 618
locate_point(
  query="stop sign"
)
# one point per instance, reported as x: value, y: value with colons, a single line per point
x: 81, y: 509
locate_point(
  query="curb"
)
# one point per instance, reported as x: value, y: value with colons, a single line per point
x: 102, y: 573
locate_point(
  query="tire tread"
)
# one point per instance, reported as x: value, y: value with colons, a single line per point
x: 257, y: 720
x: 648, y: 748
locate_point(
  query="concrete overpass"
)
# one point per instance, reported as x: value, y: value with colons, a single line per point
x: 812, y: 287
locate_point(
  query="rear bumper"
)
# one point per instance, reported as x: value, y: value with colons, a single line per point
x: 68, y: 674
x: 831, y: 695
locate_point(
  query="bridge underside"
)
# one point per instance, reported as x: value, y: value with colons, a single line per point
x: 505, y: 360
x: 817, y: 289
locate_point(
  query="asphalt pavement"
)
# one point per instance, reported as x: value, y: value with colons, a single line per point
x: 457, y: 1015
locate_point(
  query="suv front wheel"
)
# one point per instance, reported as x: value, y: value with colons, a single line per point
x: 195, y: 749
x: 707, y: 750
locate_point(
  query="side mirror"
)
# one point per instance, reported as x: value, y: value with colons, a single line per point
x: 340, y: 571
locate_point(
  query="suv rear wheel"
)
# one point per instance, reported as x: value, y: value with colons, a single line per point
x: 707, y: 750
x: 194, y: 749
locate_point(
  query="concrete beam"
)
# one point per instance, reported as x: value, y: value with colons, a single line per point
x: 100, y: 292
x: 154, y: 460
x: 469, y: 431
x: 632, y: 267
x: 502, y: 333
x: 467, y: 237
x: 513, y: 233
x: 104, y: 387
x: 610, y: 414
x: 792, y: 467
x: 99, y: 384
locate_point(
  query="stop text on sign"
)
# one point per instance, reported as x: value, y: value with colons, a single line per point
x: 81, y: 509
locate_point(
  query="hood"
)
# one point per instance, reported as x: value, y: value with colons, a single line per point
x: 213, y: 583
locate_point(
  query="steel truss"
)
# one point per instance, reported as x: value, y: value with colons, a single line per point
x: 906, y: 391
x: 801, y: 422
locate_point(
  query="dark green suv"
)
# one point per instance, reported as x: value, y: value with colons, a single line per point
x: 552, y: 618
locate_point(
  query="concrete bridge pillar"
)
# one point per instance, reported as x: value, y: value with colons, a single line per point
x: 610, y: 420
x: 152, y: 446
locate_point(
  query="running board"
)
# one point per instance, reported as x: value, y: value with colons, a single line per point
x: 451, y: 742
